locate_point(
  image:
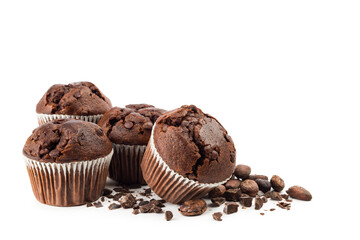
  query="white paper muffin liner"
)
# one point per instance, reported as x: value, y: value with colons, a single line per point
x: 68, y: 184
x: 125, y: 164
x: 168, y: 184
x: 44, y: 118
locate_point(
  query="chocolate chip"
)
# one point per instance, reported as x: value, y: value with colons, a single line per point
x: 242, y: 171
x: 277, y: 183
x: 117, y: 196
x: 272, y: 209
x: 148, y: 125
x: 216, y: 202
x: 264, y: 185
x: 249, y: 187
x: 99, y: 132
x: 89, y: 205
x: 232, y: 195
x: 300, y: 193
x: 128, y: 125
x: 284, y: 205
x: 217, y: 191
x: 245, y: 200
x: 273, y: 195
x: 127, y: 201
x: 231, y: 207
x: 135, y: 211
x: 262, y: 214
x: 258, y: 203
x: 232, y: 183
x: 193, y: 207
x: 142, y: 203
x: 217, y: 216
x: 207, y: 149
x: 114, y: 206
x: 106, y: 192
x: 77, y: 94
x: 214, y: 155
x: 168, y: 215
x: 54, y: 153
x: 150, y: 208
x: 156, y: 203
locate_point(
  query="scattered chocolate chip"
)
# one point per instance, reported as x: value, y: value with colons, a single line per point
x: 142, y: 203
x: 242, y: 171
x: 89, y: 205
x: 193, y: 207
x: 127, y: 201
x: 258, y: 203
x: 264, y: 185
x: 232, y: 183
x: 272, y: 209
x: 231, y: 207
x: 300, y: 193
x: 245, y: 200
x: 262, y: 214
x: 114, y: 206
x: 284, y: 205
x: 217, y: 191
x: 150, y: 208
x: 232, y: 195
x: 218, y: 201
x: 250, y: 187
x: 277, y: 183
x: 255, y: 176
x: 98, y: 204
x: 135, y: 211
x: 168, y: 215
x: 217, y: 216
x: 157, y: 203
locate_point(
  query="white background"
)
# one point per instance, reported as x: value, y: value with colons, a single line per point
x: 281, y: 76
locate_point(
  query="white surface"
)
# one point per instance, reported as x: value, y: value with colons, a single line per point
x: 281, y: 76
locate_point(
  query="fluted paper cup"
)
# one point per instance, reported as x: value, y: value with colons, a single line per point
x: 44, y: 118
x: 68, y: 184
x: 168, y: 184
x: 125, y: 164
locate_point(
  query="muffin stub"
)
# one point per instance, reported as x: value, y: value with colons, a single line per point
x: 81, y: 98
x: 194, y: 145
x: 131, y: 125
x: 67, y: 140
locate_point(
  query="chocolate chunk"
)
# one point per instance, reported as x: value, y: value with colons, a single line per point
x: 277, y: 183
x: 157, y: 203
x: 217, y: 216
x: 193, y: 207
x: 285, y: 196
x: 168, y: 215
x: 242, y: 171
x: 232, y: 195
x: 262, y: 214
x: 217, y: 191
x: 102, y: 199
x: 117, y: 196
x: 264, y: 199
x: 89, y: 205
x: 106, y: 192
x: 216, y: 202
x: 127, y: 201
x: 264, y: 185
x: 135, y: 211
x: 300, y: 193
x: 231, y: 207
x: 114, y: 206
x: 255, y: 176
x: 250, y: 187
x: 284, y: 205
x: 245, y: 200
x: 98, y: 204
x: 77, y: 94
x: 273, y: 195
x: 258, y: 203
x: 142, y: 203
x: 214, y: 155
x: 272, y: 209
x: 232, y: 183
x: 150, y: 208
x: 148, y: 125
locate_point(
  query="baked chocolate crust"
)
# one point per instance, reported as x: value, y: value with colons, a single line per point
x: 131, y: 125
x: 195, y: 145
x: 67, y: 140
x: 81, y: 98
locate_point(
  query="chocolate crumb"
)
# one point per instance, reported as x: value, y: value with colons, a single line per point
x: 98, y: 204
x: 231, y: 207
x: 217, y: 216
x: 114, y: 206
x: 168, y: 215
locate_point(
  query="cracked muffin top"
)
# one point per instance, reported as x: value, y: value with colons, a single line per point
x: 67, y: 140
x: 131, y: 125
x: 81, y: 99
x: 195, y: 145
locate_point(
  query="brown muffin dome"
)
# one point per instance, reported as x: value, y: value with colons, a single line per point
x: 67, y: 140
x: 195, y: 145
x: 131, y: 125
x: 81, y: 98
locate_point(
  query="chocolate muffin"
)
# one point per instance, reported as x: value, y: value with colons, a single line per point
x: 67, y: 162
x: 81, y: 100
x: 129, y: 130
x: 189, y: 153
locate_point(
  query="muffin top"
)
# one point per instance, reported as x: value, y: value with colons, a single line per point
x: 131, y: 125
x: 195, y: 145
x: 67, y: 140
x: 81, y: 98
